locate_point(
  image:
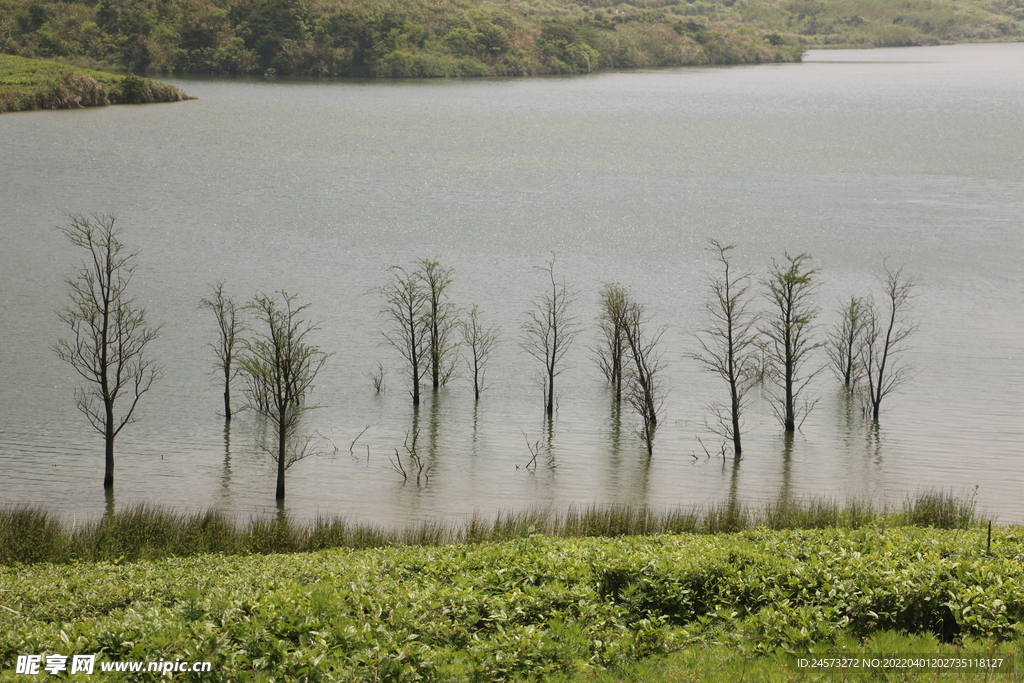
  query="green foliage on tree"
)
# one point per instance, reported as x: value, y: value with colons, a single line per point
x: 789, y: 329
x: 280, y: 365
x: 428, y: 38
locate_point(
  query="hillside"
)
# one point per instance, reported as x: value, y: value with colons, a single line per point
x: 437, y: 38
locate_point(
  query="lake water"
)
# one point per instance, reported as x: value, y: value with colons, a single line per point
x: 915, y: 155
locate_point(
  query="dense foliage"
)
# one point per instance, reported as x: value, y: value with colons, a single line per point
x: 36, y: 84
x: 519, y: 609
x: 401, y: 38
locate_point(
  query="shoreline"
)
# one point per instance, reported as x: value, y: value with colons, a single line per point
x: 32, y: 534
x: 35, y: 84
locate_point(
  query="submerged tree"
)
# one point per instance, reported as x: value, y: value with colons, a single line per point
x: 280, y: 366
x: 644, y: 390
x: 887, y: 330
x: 789, y: 325
x: 846, y: 341
x: 230, y: 325
x: 478, y: 340
x: 549, y: 332
x: 442, y: 321
x: 109, y: 334
x: 729, y: 345
x: 405, y: 312
x: 610, y: 348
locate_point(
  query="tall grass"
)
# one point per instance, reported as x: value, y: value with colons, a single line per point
x: 38, y: 84
x: 31, y: 534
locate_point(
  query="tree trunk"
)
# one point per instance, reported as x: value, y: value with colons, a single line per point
x: 789, y: 424
x: 108, y: 471
x: 108, y: 439
x: 415, y: 388
x: 737, y: 448
x: 550, y: 408
x: 617, y: 364
x: 282, y: 433
x: 435, y: 347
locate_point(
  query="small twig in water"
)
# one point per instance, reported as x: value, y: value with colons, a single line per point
x: 723, y: 447
x: 352, y: 445
x: 326, y: 438
x: 534, y: 449
x: 396, y: 465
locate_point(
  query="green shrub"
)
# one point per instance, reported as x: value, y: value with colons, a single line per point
x: 519, y: 610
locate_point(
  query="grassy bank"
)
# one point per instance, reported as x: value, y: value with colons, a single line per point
x: 533, y: 608
x: 38, y: 84
x: 439, y: 38
x: 30, y: 535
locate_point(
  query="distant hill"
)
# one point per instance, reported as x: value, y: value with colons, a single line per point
x: 437, y: 38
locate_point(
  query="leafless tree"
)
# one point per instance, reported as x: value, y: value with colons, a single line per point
x: 549, y: 332
x: 442, y: 322
x: 280, y: 366
x: 644, y: 390
x: 610, y: 348
x: 729, y: 345
x: 846, y: 341
x: 886, y: 334
x: 406, y: 316
x: 478, y: 342
x: 230, y: 326
x: 418, y: 467
x: 377, y: 378
x: 109, y: 334
x: 789, y: 326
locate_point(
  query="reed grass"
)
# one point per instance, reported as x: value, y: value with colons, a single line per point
x: 144, y: 532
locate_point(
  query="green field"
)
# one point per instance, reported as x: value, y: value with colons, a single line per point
x: 39, y: 84
x: 682, y: 607
x: 439, y: 38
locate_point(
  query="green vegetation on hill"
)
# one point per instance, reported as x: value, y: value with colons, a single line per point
x: 416, y: 38
x: 526, y: 609
x: 37, y: 84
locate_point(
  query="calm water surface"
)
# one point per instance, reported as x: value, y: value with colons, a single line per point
x: 915, y: 155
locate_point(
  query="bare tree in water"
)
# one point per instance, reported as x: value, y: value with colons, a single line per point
x: 230, y: 325
x: 478, y: 342
x: 442, y: 322
x: 886, y: 334
x: 846, y: 342
x: 729, y: 345
x: 109, y: 334
x: 550, y: 331
x: 644, y: 390
x: 405, y: 313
